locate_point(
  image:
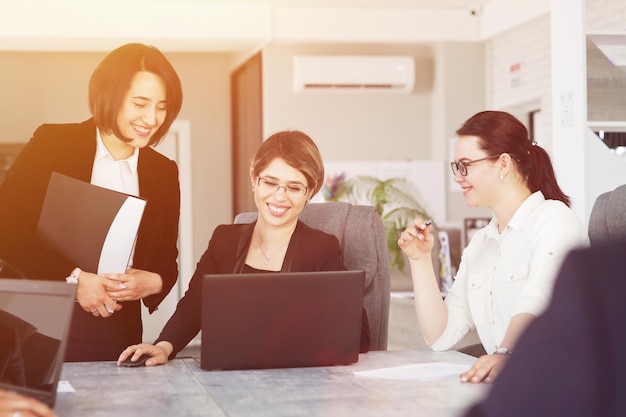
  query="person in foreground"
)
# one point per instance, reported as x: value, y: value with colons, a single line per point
x: 13, y: 404
x: 287, y: 170
x: 507, y: 271
x: 134, y: 96
x: 570, y: 361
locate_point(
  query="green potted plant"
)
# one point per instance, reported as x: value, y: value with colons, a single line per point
x: 397, y: 201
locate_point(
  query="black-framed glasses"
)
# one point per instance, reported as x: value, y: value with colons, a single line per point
x: 270, y: 186
x: 461, y: 166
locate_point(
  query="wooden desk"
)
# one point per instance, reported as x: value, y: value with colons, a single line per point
x: 182, y: 388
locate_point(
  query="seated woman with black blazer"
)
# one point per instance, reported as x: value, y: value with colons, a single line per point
x: 287, y: 170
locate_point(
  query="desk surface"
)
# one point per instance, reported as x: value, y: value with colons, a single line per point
x: 181, y: 388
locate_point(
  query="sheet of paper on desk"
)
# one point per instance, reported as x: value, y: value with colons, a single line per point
x: 417, y: 372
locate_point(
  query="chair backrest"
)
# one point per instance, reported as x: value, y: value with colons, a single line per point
x: 608, y: 216
x: 362, y: 237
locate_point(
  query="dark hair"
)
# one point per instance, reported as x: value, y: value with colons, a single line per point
x: 298, y: 150
x: 499, y: 132
x: 113, y: 77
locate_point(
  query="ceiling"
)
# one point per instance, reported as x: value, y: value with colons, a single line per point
x: 373, y: 3
x: 242, y: 25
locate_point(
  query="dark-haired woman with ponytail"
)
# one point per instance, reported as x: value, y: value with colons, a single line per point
x: 507, y: 271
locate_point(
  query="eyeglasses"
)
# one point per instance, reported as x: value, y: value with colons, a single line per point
x: 461, y: 166
x: 270, y: 186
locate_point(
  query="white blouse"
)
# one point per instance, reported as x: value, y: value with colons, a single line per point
x: 504, y: 274
x: 115, y: 175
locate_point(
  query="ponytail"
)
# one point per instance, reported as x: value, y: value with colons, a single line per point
x: 540, y: 175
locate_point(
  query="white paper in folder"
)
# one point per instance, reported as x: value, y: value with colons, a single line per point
x: 92, y: 226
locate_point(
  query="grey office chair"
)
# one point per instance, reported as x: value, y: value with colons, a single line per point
x: 364, y: 246
x: 608, y: 216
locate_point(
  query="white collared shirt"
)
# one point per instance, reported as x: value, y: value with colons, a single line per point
x: 504, y: 274
x: 115, y: 175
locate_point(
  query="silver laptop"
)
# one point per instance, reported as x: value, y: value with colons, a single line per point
x: 281, y: 320
x: 34, y: 324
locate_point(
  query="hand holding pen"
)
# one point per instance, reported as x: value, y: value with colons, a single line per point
x: 426, y: 225
x: 416, y: 240
x: 419, y: 231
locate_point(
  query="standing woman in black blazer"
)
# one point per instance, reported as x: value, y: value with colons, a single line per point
x: 134, y: 96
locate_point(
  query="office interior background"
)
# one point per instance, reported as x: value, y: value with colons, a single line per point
x: 559, y: 63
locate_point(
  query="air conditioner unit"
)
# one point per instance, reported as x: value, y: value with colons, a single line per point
x: 353, y: 73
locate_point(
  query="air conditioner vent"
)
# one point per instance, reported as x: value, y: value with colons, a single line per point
x: 352, y: 86
x: 352, y: 73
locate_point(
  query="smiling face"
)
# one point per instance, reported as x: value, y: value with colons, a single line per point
x: 141, y: 114
x: 279, y: 207
x: 480, y: 183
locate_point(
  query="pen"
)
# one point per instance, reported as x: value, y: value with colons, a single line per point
x: 426, y: 225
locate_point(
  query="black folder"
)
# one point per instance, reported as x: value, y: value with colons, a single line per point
x: 92, y: 226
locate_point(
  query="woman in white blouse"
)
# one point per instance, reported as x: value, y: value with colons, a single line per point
x: 507, y: 271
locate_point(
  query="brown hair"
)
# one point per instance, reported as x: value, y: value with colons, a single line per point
x: 298, y: 150
x: 113, y: 77
x: 499, y: 132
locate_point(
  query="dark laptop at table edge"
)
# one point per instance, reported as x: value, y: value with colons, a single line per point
x: 40, y: 331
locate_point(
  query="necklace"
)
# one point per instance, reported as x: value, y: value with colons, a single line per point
x: 268, y: 258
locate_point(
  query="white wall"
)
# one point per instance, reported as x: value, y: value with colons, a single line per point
x: 605, y: 15
x: 351, y: 126
x: 605, y: 170
x: 526, y: 89
x: 377, y: 126
x: 584, y: 167
x: 459, y: 92
x: 569, y: 92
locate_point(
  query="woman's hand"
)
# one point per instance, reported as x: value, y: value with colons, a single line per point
x: 158, y: 353
x: 14, y: 404
x: 135, y: 284
x: 417, y: 241
x: 92, y: 296
x: 486, y: 368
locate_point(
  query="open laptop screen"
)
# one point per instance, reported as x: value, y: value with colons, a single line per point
x: 34, y: 323
x: 281, y: 319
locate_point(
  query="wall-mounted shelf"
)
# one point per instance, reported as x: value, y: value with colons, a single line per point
x: 609, y: 126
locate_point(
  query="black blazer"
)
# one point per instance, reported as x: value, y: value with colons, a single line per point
x: 70, y: 149
x: 309, y: 250
x: 571, y: 361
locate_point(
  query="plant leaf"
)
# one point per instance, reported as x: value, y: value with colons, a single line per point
x: 396, y: 200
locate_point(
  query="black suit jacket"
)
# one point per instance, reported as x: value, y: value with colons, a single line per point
x: 70, y: 149
x: 309, y: 250
x: 571, y: 361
